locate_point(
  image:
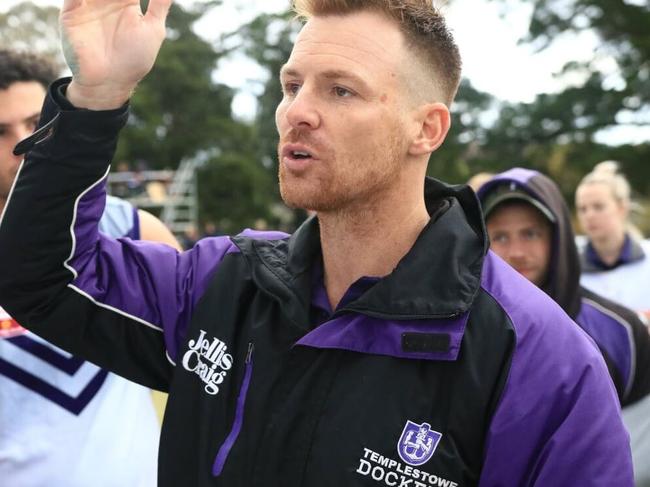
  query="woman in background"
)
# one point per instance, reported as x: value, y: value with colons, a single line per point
x: 616, y: 264
x: 616, y: 259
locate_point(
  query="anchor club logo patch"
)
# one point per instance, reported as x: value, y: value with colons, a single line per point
x: 417, y: 443
x: 415, y: 447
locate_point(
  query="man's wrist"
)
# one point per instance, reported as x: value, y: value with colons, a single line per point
x: 98, y: 98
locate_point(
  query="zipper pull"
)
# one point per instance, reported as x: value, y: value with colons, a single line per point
x: 249, y: 355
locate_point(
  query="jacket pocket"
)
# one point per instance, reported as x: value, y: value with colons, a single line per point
x: 224, y: 450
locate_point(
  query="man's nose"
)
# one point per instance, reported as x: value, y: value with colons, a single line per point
x: 302, y: 111
x: 517, y: 250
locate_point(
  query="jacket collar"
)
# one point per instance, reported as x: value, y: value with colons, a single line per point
x: 438, y: 278
x: 631, y: 252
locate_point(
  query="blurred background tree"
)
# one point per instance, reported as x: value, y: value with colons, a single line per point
x: 26, y: 27
x: 178, y: 112
x: 557, y: 133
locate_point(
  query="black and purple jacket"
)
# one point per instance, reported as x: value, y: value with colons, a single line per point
x: 451, y: 371
x: 619, y: 333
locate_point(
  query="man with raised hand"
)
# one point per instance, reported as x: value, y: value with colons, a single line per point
x: 380, y: 344
x: 64, y: 422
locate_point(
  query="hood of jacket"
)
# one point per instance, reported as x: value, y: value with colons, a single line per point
x: 563, y: 282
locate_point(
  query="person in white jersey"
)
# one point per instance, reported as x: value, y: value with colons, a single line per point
x: 65, y: 422
x: 615, y: 261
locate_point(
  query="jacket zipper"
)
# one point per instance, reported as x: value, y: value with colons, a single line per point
x: 224, y: 450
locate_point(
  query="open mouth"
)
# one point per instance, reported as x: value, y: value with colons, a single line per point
x: 297, y: 157
x: 300, y: 155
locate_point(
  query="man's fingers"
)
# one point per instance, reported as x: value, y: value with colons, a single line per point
x: 158, y: 9
x: 70, y: 4
x: 95, y: 5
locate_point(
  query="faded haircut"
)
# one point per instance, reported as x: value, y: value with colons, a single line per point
x: 18, y: 67
x: 422, y: 24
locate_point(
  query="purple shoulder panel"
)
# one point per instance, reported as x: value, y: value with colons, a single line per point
x: 612, y: 333
x: 558, y: 420
x: 149, y: 282
x: 364, y: 334
x: 88, y: 211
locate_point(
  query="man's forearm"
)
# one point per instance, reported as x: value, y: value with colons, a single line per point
x: 63, y: 161
x: 98, y: 98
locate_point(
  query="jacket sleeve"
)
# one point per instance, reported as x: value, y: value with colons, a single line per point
x: 641, y: 385
x: 122, y: 304
x: 558, y: 420
x: 639, y: 344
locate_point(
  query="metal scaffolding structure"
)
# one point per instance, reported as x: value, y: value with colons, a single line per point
x: 170, y: 195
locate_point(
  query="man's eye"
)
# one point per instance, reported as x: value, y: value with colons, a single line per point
x: 32, y: 124
x: 342, y: 92
x: 290, y: 88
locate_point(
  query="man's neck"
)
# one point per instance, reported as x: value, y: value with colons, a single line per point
x: 367, y: 242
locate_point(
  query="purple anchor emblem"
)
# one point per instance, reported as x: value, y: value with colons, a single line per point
x: 417, y: 443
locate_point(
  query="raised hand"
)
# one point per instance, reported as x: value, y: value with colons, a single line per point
x: 110, y: 46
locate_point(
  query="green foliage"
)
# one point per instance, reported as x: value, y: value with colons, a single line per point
x: 178, y: 110
x: 556, y: 133
x: 235, y: 193
x: 461, y: 155
x: 26, y: 27
x: 624, y: 32
x: 268, y: 40
x: 623, y: 29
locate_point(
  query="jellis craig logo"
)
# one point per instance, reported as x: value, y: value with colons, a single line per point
x: 208, y: 359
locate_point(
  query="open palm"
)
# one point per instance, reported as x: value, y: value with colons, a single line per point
x: 110, y: 45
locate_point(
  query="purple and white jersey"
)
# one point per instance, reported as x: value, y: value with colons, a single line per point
x: 626, y: 284
x: 64, y: 422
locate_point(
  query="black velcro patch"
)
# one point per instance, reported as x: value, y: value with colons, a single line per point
x: 426, y: 342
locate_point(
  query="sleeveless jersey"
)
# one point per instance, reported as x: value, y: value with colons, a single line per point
x: 65, y: 422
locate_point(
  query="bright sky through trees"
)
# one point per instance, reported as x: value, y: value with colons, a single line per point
x: 494, y: 62
x: 492, y: 59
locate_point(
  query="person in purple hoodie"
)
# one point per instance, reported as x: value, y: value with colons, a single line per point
x: 381, y: 344
x: 529, y: 226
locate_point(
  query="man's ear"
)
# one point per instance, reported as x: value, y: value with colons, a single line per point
x: 434, y: 121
